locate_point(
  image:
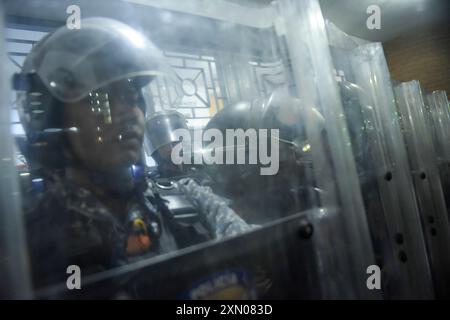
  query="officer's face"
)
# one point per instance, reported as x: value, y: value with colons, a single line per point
x: 103, y: 141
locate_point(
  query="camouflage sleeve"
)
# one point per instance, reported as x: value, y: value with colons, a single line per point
x: 220, y: 217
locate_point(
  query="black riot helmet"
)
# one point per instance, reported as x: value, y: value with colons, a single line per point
x: 281, y: 111
x: 242, y: 115
x: 102, y: 61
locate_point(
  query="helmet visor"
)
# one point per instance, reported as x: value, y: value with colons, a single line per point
x: 73, y: 63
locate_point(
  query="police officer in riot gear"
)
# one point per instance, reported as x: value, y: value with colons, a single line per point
x: 264, y: 198
x: 160, y: 141
x: 81, y: 104
x: 184, y: 186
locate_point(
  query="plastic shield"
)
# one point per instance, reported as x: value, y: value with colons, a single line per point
x: 15, y: 283
x: 438, y: 115
x: 382, y: 165
x: 347, y: 231
x: 314, y: 241
x: 425, y: 174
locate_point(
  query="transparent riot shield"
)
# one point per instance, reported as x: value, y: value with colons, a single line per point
x: 105, y: 214
x: 425, y: 174
x: 310, y: 58
x: 15, y: 283
x: 382, y: 165
x: 438, y: 116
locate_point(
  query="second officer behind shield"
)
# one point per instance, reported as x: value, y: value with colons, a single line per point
x: 160, y: 141
x: 183, y: 187
x: 81, y: 104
